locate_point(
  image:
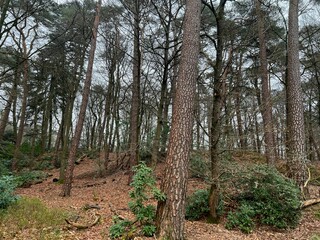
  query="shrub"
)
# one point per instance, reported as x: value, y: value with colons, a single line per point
x: 241, y: 218
x: 7, y: 187
x: 274, y: 199
x: 27, y: 178
x: 198, y: 166
x: 197, y: 205
x: 144, y: 188
x: 4, y: 168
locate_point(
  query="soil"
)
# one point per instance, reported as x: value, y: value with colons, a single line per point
x: 110, y: 194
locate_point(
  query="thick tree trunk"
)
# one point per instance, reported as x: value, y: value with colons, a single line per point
x: 296, y: 155
x: 171, y: 212
x: 66, y: 189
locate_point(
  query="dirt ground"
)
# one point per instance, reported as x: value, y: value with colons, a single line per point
x: 113, y: 190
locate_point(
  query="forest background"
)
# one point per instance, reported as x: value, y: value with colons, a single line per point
x: 243, y: 97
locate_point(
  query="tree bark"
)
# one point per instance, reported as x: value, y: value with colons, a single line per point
x: 296, y: 155
x: 266, y: 108
x: 66, y: 188
x: 171, y: 212
x: 135, y: 101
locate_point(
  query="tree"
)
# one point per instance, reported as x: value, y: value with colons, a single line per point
x: 296, y: 155
x: 66, y: 189
x: 171, y: 211
x: 266, y: 108
x: 219, y: 92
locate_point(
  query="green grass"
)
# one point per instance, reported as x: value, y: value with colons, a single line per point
x: 315, y: 237
x: 30, y: 218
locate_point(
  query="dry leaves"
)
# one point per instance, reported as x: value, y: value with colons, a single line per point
x: 88, y: 189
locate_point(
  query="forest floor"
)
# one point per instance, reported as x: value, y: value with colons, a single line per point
x: 113, y: 189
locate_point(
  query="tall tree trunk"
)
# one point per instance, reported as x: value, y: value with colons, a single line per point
x: 296, y: 157
x: 23, y: 106
x: 238, y: 103
x: 135, y: 101
x: 171, y: 212
x: 266, y: 108
x: 66, y: 189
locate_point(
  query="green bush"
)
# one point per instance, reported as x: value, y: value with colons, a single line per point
x: 7, y: 187
x: 274, y: 199
x: 4, y: 168
x: 119, y: 228
x: 144, y: 189
x: 242, y: 218
x: 27, y: 178
x: 199, y: 167
x: 197, y: 205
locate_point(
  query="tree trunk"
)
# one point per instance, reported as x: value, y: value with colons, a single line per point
x: 266, y: 108
x: 135, y: 101
x: 171, y: 212
x: 296, y: 157
x: 23, y: 105
x: 6, y: 111
x: 66, y: 189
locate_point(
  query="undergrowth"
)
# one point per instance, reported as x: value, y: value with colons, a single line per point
x: 144, y: 189
x: 31, y: 215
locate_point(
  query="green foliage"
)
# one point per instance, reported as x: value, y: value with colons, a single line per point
x: 7, y: 187
x: 315, y: 237
x: 6, y: 153
x: 4, y: 168
x: 120, y: 228
x: 148, y: 230
x: 241, y: 218
x: 144, y: 189
x: 197, y: 205
x: 199, y: 166
x: 273, y: 199
x: 317, y: 214
x: 27, y: 178
x: 26, y: 148
x: 31, y: 214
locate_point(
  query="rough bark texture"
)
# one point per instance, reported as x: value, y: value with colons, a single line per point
x: 171, y: 212
x: 66, y: 188
x: 218, y: 102
x: 266, y: 108
x: 135, y: 102
x: 296, y: 155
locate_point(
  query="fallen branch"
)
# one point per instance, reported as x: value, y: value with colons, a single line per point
x: 83, y: 226
x: 115, y: 212
x: 309, y: 203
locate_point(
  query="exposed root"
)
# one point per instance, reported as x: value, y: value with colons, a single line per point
x: 84, y: 226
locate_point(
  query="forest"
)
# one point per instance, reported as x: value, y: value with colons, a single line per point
x: 160, y: 119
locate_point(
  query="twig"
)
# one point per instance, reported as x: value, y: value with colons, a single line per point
x: 82, y: 226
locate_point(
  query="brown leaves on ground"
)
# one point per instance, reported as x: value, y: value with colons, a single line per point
x: 90, y: 190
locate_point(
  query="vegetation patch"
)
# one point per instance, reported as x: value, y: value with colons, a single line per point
x: 144, y: 189
x: 197, y: 205
x: 31, y: 216
x: 7, y: 187
x: 265, y: 197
